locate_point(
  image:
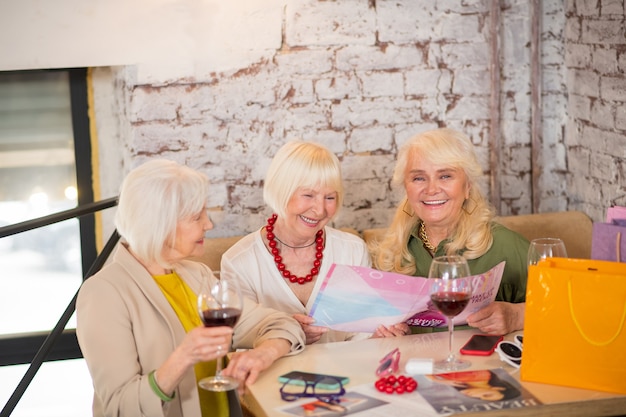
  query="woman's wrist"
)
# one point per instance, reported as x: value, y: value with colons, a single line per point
x: 154, y: 385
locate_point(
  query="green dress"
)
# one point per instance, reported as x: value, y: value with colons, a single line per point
x: 507, y: 246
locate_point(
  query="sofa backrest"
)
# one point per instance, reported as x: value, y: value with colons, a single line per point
x: 216, y: 246
x: 573, y: 227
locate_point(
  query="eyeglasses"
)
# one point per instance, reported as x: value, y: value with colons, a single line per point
x: 389, y: 363
x: 510, y: 352
x: 327, y: 389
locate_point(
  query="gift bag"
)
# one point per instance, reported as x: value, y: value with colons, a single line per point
x: 575, y: 330
x: 608, y: 241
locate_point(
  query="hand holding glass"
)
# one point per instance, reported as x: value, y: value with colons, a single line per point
x: 219, y: 304
x: 450, y: 292
x: 546, y: 247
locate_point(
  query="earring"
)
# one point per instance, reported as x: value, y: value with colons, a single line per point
x: 465, y: 204
x: 407, y: 209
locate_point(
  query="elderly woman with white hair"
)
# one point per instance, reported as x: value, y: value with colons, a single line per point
x: 137, y: 322
x: 444, y: 213
x: 283, y: 264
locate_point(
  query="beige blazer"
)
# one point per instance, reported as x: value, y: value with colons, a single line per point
x: 126, y: 328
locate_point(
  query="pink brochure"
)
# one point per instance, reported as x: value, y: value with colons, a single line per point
x: 359, y: 299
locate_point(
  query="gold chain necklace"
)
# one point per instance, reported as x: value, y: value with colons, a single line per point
x: 425, y: 239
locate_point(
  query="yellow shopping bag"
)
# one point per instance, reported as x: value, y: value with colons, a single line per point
x: 575, y: 330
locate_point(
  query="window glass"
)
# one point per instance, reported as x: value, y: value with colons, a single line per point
x: 41, y: 267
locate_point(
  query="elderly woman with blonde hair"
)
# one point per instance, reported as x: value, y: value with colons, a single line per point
x: 283, y: 264
x: 444, y: 212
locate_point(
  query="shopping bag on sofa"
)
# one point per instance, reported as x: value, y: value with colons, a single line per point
x: 575, y: 330
x: 608, y: 241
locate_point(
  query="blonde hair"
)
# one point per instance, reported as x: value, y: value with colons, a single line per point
x: 154, y: 197
x: 472, y: 234
x: 299, y: 164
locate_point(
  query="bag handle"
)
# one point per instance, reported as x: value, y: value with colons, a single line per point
x: 618, y: 246
x: 580, y: 330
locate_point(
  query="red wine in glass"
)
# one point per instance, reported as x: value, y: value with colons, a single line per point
x: 450, y: 304
x: 450, y: 292
x: 220, y: 317
x: 219, y: 304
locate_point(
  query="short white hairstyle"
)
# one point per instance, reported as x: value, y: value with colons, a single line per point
x: 299, y: 164
x: 153, y: 198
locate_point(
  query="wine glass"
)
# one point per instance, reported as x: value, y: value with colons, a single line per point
x: 546, y: 247
x: 219, y: 304
x: 450, y: 292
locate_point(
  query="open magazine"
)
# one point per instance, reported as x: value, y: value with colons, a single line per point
x: 359, y: 299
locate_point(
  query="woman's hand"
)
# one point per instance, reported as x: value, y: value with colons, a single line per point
x: 201, y: 344
x: 312, y: 333
x: 498, y: 318
x: 245, y: 366
x: 398, y: 329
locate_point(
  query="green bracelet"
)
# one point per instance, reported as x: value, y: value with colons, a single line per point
x: 157, y: 390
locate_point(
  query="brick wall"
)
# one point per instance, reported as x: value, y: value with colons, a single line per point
x: 361, y: 77
x: 596, y: 122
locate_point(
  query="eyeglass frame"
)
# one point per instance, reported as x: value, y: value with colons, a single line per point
x: 326, y: 397
x: 389, y: 363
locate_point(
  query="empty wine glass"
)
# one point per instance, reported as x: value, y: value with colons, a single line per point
x: 219, y: 304
x: 545, y: 247
x: 450, y: 292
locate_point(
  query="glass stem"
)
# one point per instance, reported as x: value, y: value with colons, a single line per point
x: 218, y: 366
x: 450, y: 332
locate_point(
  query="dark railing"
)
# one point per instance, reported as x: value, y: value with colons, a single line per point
x: 57, y: 332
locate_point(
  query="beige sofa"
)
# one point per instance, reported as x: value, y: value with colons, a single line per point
x: 573, y: 227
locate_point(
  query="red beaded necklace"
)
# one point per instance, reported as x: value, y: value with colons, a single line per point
x: 271, y: 238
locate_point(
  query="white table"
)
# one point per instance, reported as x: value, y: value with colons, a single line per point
x: 358, y: 360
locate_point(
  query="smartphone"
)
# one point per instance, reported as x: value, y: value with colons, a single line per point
x: 481, y: 345
x: 300, y: 378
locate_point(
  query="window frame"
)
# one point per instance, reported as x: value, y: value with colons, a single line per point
x: 22, y: 348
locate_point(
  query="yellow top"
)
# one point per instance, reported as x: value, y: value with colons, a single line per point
x: 183, y: 301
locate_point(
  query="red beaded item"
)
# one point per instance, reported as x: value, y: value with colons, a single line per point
x: 271, y: 238
x: 396, y: 384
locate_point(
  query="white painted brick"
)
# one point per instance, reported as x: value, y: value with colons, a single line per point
x: 602, y: 114
x: 428, y: 82
x: 309, y: 61
x: 463, y: 55
x: 620, y: 118
x: 382, y: 84
x: 334, y: 140
x: 584, y: 82
x: 366, y: 113
x: 391, y: 57
x: 469, y: 108
x: 613, y: 88
x: 612, y: 7
x: 579, y: 107
x: 471, y: 82
x: 373, y: 167
x: 403, y: 21
x: 371, y: 139
x: 603, y: 168
x: 605, y: 60
x: 311, y: 22
x: 339, y: 86
x: 297, y: 91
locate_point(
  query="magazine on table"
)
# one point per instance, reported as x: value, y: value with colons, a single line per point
x: 436, y: 395
x: 477, y: 390
x: 359, y: 299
